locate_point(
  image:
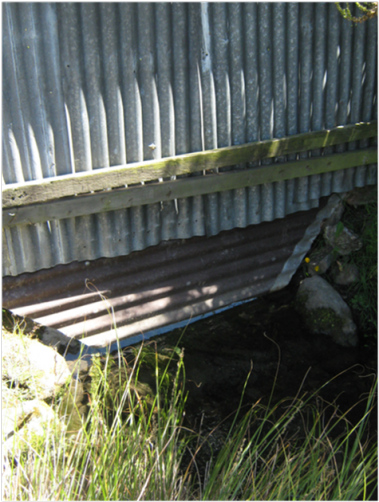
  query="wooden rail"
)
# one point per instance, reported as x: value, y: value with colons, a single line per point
x: 68, y: 196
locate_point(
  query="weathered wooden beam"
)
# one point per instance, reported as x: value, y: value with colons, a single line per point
x: 48, y: 189
x: 184, y: 187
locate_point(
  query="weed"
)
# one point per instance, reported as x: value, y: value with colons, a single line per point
x: 364, y: 295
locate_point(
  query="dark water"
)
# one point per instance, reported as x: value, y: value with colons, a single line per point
x: 268, y: 337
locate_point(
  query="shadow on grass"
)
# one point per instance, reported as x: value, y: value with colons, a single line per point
x: 133, y: 445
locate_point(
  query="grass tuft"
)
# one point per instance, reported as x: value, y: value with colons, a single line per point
x: 132, y: 446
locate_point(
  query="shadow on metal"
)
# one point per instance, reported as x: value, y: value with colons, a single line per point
x: 117, y: 298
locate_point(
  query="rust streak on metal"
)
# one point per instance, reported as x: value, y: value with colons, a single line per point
x: 158, y: 286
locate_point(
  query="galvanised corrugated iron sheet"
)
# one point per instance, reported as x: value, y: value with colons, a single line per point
x: 92, y: 85
x: 165, y: 284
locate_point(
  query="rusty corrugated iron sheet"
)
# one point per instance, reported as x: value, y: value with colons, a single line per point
x: 163, y: 285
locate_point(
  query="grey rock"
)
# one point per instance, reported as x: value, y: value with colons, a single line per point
x: 42, y: 368
x: 324, y: 311
x: 54, y: 338
x: 344, y: 242
x: 346, y: 274
x: 335, y: 215
x: 361, y: 196
x: 48, y: 336
x: 29, y: 420
x: 320, y: 261
x: 43, y: 375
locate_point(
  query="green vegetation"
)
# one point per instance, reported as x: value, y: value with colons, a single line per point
x: 368, y: 10
x: 363, y: 296
x: 136, y: 446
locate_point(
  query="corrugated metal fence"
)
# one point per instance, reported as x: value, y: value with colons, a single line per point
x: 94, y: 85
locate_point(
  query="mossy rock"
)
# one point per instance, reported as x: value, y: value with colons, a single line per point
x: 324, y: 311
x: 131, y: 386
x: 321, y: 320
x: 73, y: 406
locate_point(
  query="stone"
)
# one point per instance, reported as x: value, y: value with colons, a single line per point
x: 124, y: 390
x: 30, y: 420
x: 34, y: 365
x: 35, y: 373
x: 335, y: 216
x: 324, y: 311
x: 345, y: 274
x: 343, y: 241
x: 73, y: 409
x: 361, y: 196
x: 320, y: 260
x: 48, y: 336
x: 34, y: 377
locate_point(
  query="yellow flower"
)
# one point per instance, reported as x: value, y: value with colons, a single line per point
x: 307, y: 260
x: 317, y: 268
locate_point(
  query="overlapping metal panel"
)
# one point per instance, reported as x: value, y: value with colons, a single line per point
x: 93, y: 85
x: 173, y: 282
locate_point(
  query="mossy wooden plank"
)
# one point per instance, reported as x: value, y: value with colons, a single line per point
x: 19, y: 194
x: 185, y: 187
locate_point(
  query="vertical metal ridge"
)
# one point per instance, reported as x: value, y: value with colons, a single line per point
x: 96, y: 85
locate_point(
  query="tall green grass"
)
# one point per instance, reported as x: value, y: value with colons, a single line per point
x: 267, y: 459
x: 132, y: 447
